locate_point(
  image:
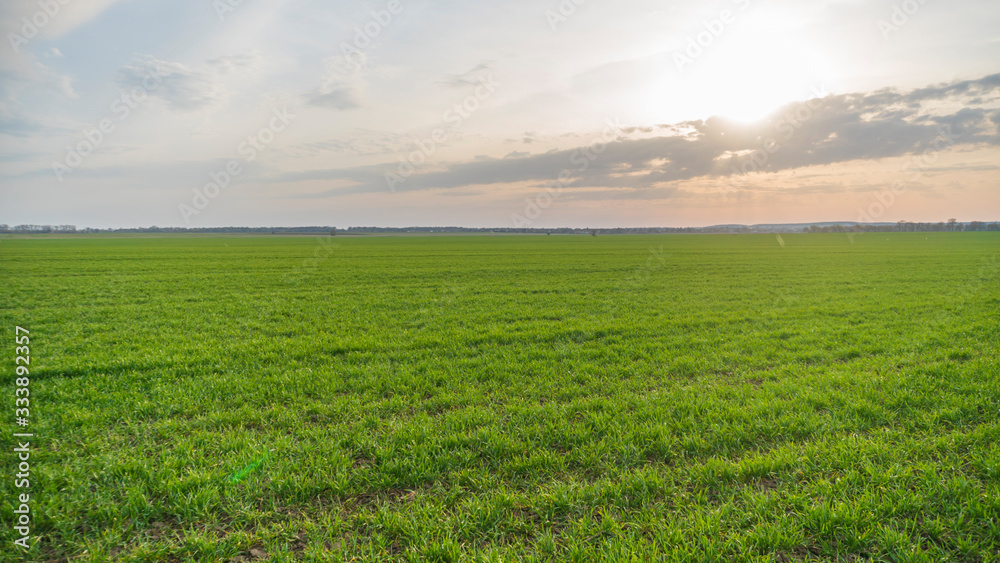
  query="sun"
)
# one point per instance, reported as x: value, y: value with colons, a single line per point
x: 753, y: 92
x: 758, y: 73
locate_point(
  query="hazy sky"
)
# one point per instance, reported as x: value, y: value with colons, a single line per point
x: 586, y: 113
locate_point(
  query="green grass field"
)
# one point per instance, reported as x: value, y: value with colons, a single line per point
x: 537, y: 398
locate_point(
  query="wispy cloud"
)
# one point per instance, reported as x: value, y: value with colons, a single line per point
x: 340, y: 97
x: 183, y: 89
x: 471, y: 77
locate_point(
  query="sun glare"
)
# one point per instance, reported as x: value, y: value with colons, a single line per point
x: 749, y: 83
x: 752, y: 93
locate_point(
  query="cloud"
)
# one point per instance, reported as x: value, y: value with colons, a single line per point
x: 342, y: 87
x: 231, y: 64
x: 26, y: 82
x: 31, y: 76
x: 19, y: 126
x: 833, y: 129
x: 182, y: 88
x: 361, y: 142
x: 69, y: 15
x: 471, y: 77
x: 341, y: 97
x: 973, y: 89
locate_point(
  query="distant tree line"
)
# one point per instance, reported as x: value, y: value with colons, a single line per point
x: 38, y: 229
x: 907, y: 227
x: 525, y: 230
x: 155, y: 229
x: 951, y: 225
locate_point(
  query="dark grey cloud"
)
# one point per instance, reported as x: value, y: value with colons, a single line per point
x: 986, y: 87
x: 836, y: 128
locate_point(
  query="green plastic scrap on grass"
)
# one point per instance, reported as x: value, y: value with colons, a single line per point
x: 242, y: 473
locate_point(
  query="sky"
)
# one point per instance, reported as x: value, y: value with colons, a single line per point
x: 545, y: 113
